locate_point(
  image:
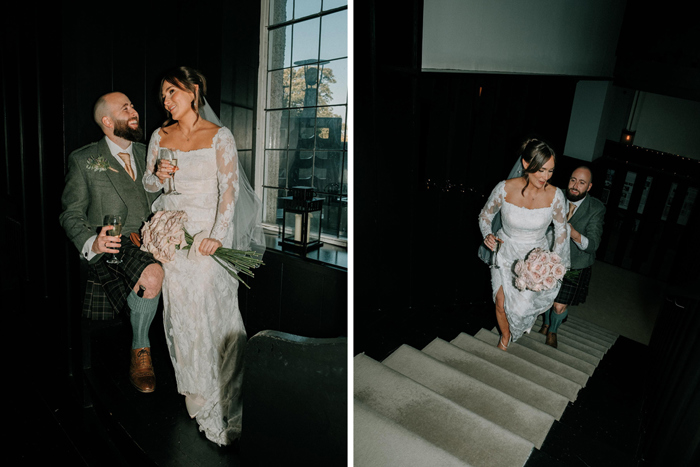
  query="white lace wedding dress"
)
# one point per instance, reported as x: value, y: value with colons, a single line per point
x: 523, y: 230
x: 203, y: 324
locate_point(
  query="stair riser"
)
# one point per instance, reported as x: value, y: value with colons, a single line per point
x: 508, y: 364
x: 440, y: 421
x: 570, y: 347
x: 508, y: 412
x: 548, y: 363
x: 585, y: 325
x: 579, y: 336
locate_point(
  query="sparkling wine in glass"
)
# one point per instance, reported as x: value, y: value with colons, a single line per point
x: 167, y: 154
x: 115, y: 231
x: 173, y: 161
x: 494, y: 260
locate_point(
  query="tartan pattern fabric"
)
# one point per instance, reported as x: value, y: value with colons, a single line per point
x: 108, y: 285
x: 574, y: 291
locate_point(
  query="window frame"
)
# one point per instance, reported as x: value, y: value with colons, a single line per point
x: 261, y: 115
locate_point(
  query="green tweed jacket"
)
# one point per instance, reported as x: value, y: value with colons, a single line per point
x: 588, y: 221
x: 97, y: 185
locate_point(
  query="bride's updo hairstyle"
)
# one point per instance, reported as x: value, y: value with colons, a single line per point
x: 536, y: 153
x: 185, y: 78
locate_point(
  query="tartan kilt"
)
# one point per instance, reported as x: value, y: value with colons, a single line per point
x: 108, y: 285
x: 574, y: 291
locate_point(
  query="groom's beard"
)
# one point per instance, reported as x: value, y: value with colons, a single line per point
x: 573, y: 198
x: 123, y: 130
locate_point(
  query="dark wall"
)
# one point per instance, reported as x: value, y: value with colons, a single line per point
x: 52, y: 73
x: 104, y: 51
x: 33, y: 272
x: 671, y: 434
x: 296, y: 296
x: 429, y: 148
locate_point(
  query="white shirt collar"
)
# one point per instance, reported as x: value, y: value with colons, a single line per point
x: 115, y: 149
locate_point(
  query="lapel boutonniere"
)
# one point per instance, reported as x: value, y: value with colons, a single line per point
x: 98, y: 164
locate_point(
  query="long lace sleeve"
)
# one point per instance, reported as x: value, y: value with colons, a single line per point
x: 562, y: 245
x: 227, y: 176
x: 151, y: 183
x: 492, y: 206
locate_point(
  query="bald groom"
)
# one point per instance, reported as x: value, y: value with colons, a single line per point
x: 105, y: 178
x: 585, y: 216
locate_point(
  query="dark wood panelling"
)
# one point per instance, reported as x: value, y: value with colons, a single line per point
x: 649, y: 242
x: 50, y: 79
x: 33, y: 272
x: 295, y: 295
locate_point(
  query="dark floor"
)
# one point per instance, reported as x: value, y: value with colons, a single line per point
x: 157, y: 423
x: 120, y: 426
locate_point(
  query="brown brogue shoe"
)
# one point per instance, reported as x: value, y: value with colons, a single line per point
x: 551, y: 339
x: 141, y: 372
x: 544, y: 329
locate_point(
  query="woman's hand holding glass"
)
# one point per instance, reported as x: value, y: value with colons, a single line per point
x: 166, y: 168
x: 491, y: 241
x: 494, y: 244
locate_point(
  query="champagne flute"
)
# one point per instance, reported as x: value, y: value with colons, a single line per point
x: 494, y: 260
x: 115, y: 231
x: 167, y: 154
x: 173, y: 161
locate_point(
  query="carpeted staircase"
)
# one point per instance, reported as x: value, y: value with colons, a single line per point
x: 467, y: 403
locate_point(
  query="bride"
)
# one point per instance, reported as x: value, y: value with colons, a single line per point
x: 527, y: 205
x: 203, y: 325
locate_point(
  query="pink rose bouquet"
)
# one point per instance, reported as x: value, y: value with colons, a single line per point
x: 540, y: 270
x: 165, y: 233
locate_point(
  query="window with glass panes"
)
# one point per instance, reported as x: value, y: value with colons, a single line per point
x: 306, y: 101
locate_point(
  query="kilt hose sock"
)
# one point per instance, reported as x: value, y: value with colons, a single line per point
x: 551, y: 318
x: 143, y: 310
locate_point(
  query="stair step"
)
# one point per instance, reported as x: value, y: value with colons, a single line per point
x: 584, y: 327
x: 381, y: 442
x: 578, y: 335
x: 581, y: 323
x: 574, y: 361
x: 534, y: 385
x: 571, y: 347
x: 512, y: 414
x: 442, y: 422
x: 588, y: 333
x: 534, y: 357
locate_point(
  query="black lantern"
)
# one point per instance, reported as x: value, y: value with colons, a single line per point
x: 301, y: 232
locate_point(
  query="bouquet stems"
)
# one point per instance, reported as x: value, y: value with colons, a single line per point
x: 233, y: 261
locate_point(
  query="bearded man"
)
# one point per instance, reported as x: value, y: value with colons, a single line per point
x: 105, y: 178
x: 585, y: 217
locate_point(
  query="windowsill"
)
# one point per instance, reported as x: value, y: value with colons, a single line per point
x: 331, y: 255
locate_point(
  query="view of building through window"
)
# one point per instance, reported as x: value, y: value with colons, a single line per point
x: 306, y: 108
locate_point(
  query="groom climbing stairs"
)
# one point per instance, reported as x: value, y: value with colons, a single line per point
x: 465, y: 402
